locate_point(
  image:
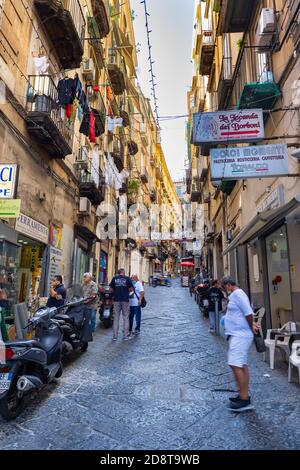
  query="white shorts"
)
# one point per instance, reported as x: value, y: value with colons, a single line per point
x: 238, y: 350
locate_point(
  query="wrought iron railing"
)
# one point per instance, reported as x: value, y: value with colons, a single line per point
x: 42, y: 97
x: 75, y: 10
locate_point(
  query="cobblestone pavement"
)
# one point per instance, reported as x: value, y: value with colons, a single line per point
x: 158, y: 391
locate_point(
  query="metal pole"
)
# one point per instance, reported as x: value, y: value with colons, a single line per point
x: 217, y: 318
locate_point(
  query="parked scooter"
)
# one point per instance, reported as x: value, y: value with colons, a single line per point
x: 203, y: 300
x: 106, y: 310
x: 30, y: 364
x: 75, y: 323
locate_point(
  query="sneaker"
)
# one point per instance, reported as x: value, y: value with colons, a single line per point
x: 212, y: 331
x: 235, y: 399
x: 137, y: 332
x: 241, y: 405
x: 127, y: 338
x: 114, y: 338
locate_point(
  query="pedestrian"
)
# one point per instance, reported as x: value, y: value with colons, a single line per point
x: 121, y: 286
x: 215, y: 295
x: 135, y: 304
x: 90, y: 292
x: 58, y: 293
x: 239, y: 329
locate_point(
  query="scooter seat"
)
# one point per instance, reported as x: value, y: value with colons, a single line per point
x: 30, y: 343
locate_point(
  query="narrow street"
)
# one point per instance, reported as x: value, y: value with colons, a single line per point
x: 158, y: 391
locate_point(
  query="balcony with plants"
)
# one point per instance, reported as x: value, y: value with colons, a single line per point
x: 64, y: 23
x: 44, y: 120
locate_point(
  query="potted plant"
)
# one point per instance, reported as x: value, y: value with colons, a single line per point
x: 133, y: 190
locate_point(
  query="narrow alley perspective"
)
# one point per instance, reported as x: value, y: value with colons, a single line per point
x: 166, y: 389
x: 149, y: 232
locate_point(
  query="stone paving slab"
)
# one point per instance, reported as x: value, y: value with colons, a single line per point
x: 167, y: 389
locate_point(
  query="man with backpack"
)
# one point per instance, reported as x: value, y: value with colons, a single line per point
x: 121, y: 286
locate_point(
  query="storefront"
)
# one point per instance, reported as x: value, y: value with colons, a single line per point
x: 103, y: 268
x: 9, y: 265
x: 270, y: 242
x: 83, y: 256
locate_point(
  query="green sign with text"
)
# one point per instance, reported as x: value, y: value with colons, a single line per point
x: 10, y: 208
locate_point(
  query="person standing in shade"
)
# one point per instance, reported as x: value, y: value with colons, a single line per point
x: 121, y: 286
x: 240, y: 330
x: 135, y: 304
x: 215, y: 295
x: 58, y: 293
x: 90, y: 292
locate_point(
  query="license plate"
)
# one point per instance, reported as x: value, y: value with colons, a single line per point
x: 106, y: 313
x: 5, y: 380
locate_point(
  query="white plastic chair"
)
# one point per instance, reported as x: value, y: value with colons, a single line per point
x: 259, y: 315
x: 272, y: 344
x: 294, y: 359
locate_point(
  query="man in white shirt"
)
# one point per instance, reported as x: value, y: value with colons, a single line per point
x: 240, y: 329
x: 135, y: 305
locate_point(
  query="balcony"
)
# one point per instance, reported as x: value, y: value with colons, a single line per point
x: 144, y: 175
x: 153, y: 195
x: 196, y: 191
x: 144, y: 136
x: 44, y: 120
x: 225, y: 82
x: 116, y: 72
x: 132, y: 148
x: 235, y: 16
x: 101, y: 16
x: 89, y: 188
x: 118, y: 154
x: 158, y: 173
x: 252, y: 87
x: 64, y: 23
x: 207, y: 52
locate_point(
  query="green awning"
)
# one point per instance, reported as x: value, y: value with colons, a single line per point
x: 259, y: 95
x: 227, y: 186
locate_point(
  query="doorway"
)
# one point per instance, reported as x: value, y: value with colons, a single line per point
x: 279, y: 282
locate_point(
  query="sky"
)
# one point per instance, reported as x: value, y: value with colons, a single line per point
x: 171, y: 22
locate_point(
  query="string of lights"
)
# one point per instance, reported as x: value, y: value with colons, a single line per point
x: 151, y: 62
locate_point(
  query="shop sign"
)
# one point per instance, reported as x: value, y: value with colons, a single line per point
x: 55, y: 236
x: 224, y: 127
x: 55, y: 265
x: 273, y: 200
x: 8, y: 180
x: 32, y: 228
x: 260, y: 161
x: 10, y: 208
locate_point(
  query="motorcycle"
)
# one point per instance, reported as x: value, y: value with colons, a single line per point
x: 203, y: 301
x: 30, y: 364
x: 75, y: 323
x: 106, y: 310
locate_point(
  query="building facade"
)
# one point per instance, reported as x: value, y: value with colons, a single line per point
x: 246, y: 57
x: 77, y: 130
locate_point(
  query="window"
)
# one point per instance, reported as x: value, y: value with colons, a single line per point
x: 264, y: 70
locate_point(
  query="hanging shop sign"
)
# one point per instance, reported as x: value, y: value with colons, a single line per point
x: 32, y: 228
x: 224, y: 127
x: 260, y: 161
x: 273, y: 200
x: 55, y: 236
x: 10, y: 208
x: 8, y: 181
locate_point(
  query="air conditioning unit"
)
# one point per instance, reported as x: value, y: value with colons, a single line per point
x: 85, y: 206
x: 266, y: 27
x: 88, y: 70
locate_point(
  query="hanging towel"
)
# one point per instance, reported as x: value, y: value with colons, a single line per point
x: 92, y: 129
x: 69, y: 109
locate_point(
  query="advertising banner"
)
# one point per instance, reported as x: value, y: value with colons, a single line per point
x: 260, y: 161
x: 245, y: 125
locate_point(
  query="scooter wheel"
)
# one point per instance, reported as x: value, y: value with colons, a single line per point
x: 84, y: 346
x: 12, y: 405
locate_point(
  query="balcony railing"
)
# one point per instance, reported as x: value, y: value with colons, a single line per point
x: 253, y: 88
x: 88, y: 187
x: 144, y: 175
x: 207, y: 52
x: 102, y: 17
x: 116, y: 71
x: 235, y: 15
x: 225, y: 82
x: 44, y: 119
x: 64, y: 23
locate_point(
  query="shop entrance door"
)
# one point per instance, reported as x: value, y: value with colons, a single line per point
x: 279, y: 277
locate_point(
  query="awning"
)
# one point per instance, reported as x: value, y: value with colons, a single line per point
x: 264, y: 221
